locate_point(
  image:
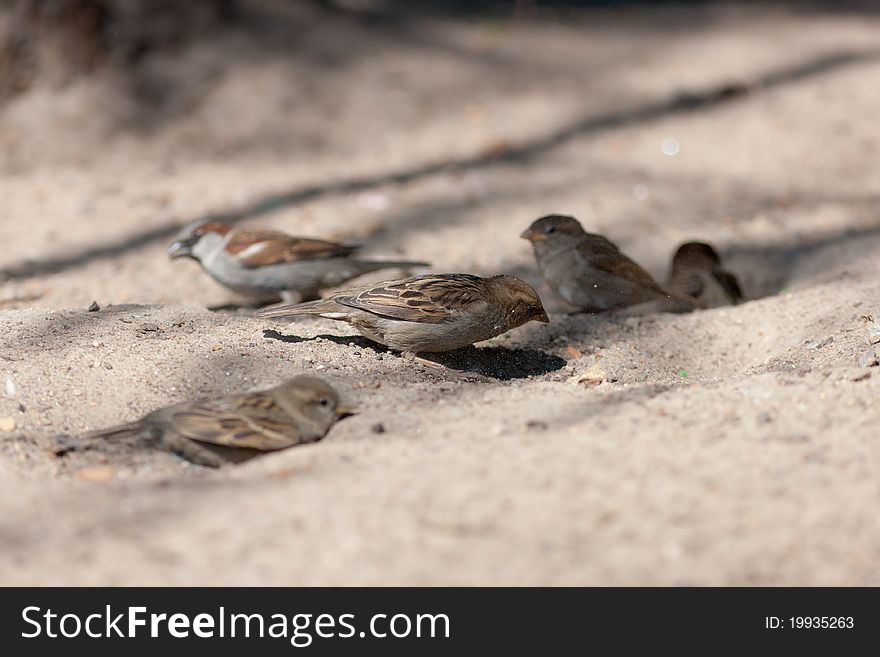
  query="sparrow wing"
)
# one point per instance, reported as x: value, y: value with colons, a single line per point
x: 730, y: 284
x: 431, y: 299
x: 598, y: 252
x: 621, y: 266
x: 258, y: 248
x: 251, y: 421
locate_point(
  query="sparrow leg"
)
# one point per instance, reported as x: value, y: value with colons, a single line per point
x: 440, y: 367
x: 429, y: 363
x: 413, y: 358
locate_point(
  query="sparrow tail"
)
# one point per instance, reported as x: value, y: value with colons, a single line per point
x: 112, y: 432
x: 65, y: 443
x: 319, y: 307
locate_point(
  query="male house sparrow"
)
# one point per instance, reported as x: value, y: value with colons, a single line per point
x: 437, y: 312
x: 266, y: 264
x: 238, y: 427
x: 697, y: 272
x: 590, y: 272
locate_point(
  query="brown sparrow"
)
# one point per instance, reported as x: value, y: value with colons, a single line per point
x: 590, y: 272
x: 437, y: 312
x: 697, y: 272
x: 266, y: 265
x: 238, y: 427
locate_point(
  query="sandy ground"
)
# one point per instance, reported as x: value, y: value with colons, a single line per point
x: 734, y: 446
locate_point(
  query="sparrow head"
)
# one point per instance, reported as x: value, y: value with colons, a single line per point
x: 553, y: 227
x: 313, y: 400
x: 197, y: 239
x: 695, y: 255
x: 518, y: 299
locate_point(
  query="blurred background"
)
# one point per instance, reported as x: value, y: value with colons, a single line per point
x: 728, y: 446
x: 427, y: 129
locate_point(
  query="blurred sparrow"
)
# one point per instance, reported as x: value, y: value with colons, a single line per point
x: 590, y: 272
x: 266, y: 265
x: 697, y: 272
x: 437, y: 312
x: 238, y: 427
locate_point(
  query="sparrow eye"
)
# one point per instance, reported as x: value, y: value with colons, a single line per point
x: 323, y: 401
x: 550, y: 230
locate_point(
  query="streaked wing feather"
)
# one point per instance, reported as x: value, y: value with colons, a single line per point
x: 258, y: 248
x: 426, y: 299
x: 264, y: 427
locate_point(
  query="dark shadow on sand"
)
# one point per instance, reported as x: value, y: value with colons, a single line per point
x: 500, y: 363
x: 345, y: 340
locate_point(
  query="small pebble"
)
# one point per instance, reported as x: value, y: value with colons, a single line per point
x: 536, y: 425
x: 378, y: 428
x: 96, y: 473
x: 94, y: 307
x: 7, y: 423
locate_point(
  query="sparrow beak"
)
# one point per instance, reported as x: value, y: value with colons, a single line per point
x: 542, y: 317
x: 343, y: 411
x: 179, y: 250
x: 183, y: 246
x: 533, y: 235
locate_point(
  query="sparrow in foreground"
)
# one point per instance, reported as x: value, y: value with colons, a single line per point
x: 590, y: 272
x: 437, y: 312
x: 266, y: 265
x: 239, y: 427
x: 697, y: 272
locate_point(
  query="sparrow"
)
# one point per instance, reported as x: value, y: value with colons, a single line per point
x: 432, y: 313
x: 266, y: 264
x: 590, y: 272
x: 697, y: 272
x: 238, y: 427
